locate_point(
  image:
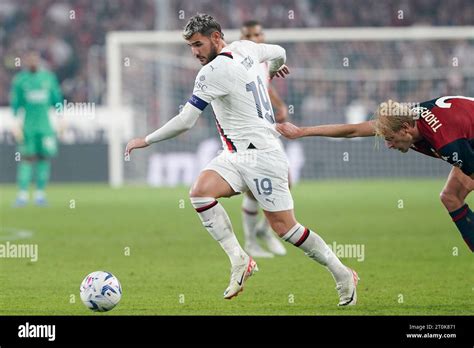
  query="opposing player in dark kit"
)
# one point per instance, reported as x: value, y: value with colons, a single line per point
x: 441, y: 128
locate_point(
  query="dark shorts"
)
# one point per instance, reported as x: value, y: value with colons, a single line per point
x: 460, y: 153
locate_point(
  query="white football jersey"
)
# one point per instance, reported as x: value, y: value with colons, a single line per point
x: 234, y: 86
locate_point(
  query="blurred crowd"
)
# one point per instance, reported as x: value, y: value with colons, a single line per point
x: 340, y: 83
x: 326, y: 87
x: 333, y: 13
x: 64, y: 33
x: 70, y: 35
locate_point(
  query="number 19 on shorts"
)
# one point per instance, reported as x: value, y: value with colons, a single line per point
x: 264, y: 186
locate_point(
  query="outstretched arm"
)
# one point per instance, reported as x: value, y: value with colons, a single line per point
x: 364, y: 129
x: 282, y: 114
x: 216, y: 84
x: 184, y: 121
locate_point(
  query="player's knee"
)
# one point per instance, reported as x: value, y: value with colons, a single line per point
x: 281, y: 226
x: 450, y: 200
x: 281, y: 229
x: 199, y: 191
x: 195, y: 192
x: 29, y: 158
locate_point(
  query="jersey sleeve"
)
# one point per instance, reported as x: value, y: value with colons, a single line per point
x: 460, y: 153
x: 211, y: 83
x: 56, y: 94
x: 266, y: 52
x: 16, y: 96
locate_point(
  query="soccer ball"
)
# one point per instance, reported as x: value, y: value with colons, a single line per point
x: 100, y: 291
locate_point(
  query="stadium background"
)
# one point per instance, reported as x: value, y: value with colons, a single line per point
x: 415, y: 262
x: 321, y: 90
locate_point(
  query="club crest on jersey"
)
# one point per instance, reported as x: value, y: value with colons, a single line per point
x: 428, y: 117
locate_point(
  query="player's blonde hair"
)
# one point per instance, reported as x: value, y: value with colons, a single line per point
x: 390, y: 117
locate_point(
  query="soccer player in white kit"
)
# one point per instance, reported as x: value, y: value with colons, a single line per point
x: 253, y: 229
x: 252, y: 158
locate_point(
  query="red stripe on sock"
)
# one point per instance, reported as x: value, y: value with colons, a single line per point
x: 209, y: 206
x: 461, y: 215
x: 249, y: 212
x: 303, y: 237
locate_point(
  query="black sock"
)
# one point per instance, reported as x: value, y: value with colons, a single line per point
x: 464, y: 220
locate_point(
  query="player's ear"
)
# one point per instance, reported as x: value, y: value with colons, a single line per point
x: 406, y: 126
x: 215, y: 37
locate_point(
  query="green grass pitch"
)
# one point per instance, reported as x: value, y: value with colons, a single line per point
x: 415, y: 260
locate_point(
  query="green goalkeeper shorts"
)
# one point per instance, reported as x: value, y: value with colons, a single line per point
x: 37, y: 144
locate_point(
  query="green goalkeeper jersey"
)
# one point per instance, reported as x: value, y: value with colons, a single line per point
x: 35, y: 93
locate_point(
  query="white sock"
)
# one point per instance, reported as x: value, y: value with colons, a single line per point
x: 315, y: 247
x: 264, y: 225
x: 215, y: 219
x: 249, y: 218
x: 23, y: 195
x: 39, y: 194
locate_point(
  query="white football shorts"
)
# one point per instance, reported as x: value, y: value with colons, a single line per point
x: 265, y: 173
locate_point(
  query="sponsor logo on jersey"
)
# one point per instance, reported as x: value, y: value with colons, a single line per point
x: 200, y: 84
x: 37, y: 96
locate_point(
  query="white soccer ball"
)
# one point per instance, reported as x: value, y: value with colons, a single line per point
x: 100, y: 291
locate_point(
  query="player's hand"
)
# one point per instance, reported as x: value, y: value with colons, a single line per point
x: 136, y: 143
x: 61, y: 131
x: 18, y: 135
x: 282, y: 72
x: 289, y: 130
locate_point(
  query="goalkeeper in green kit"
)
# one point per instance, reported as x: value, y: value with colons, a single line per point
x: 34, y: 91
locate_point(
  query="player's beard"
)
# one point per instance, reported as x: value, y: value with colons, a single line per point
x: 211, y: 55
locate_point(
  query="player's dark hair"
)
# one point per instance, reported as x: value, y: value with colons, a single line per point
x: 201, y: 23
x: 250, y: 23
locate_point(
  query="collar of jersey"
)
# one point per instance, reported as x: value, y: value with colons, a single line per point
x: 227, y: 54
